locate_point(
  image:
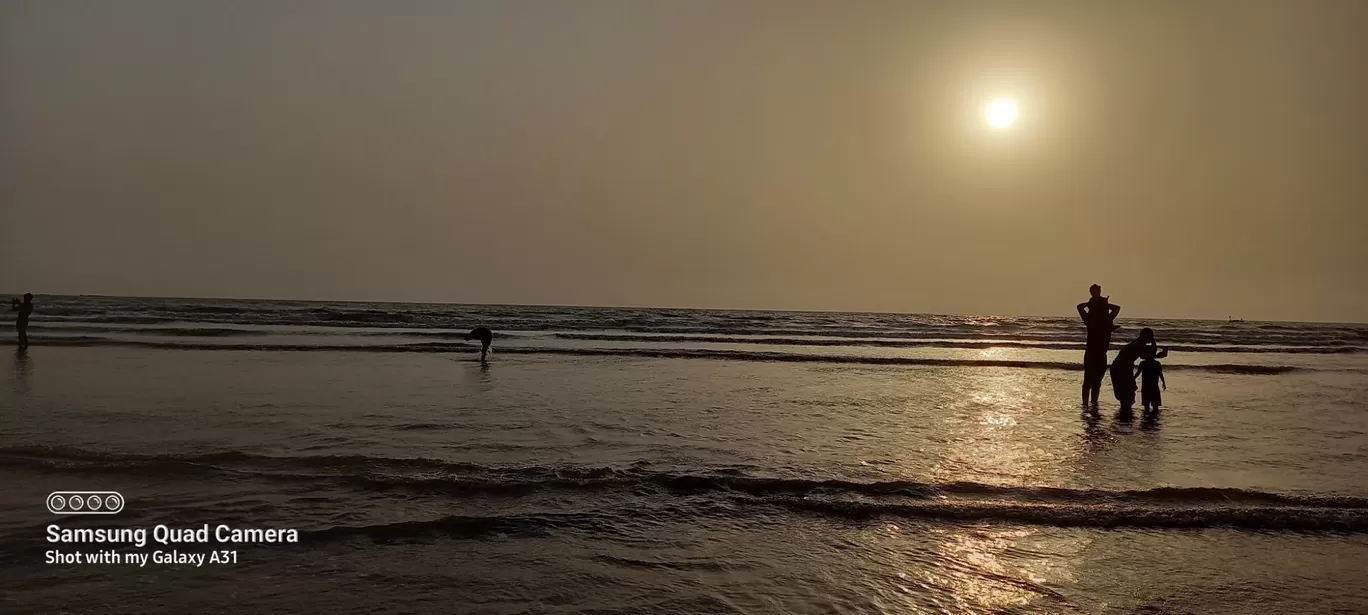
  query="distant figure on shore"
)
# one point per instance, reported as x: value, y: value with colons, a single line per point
x: 1099, y: 316
x: 1151, y: 375
x: 21, y: 323
x: 485, y: 336
x: 1122, y: 369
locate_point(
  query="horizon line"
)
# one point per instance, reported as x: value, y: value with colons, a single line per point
x: 656, y: 307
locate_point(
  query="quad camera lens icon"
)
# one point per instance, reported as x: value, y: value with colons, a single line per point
x: 85, y: 502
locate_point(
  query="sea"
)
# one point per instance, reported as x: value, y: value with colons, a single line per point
x: 674, y: 461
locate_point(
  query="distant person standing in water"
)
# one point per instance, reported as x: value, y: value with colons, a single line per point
x: 1099, y: 316
x: 1122, y: 369
x: 1151, y: 374
x: 485, y: 336
x: 21, y: 323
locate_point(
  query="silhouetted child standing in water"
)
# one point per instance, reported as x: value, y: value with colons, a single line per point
x: 1101, y: 306
x: 21, y: 323
x: 1151, y: 375
x: 485, y: 336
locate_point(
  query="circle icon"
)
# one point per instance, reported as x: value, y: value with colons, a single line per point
x: 85, y: 502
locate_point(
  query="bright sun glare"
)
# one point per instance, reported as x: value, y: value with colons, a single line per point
x: 1001, y: 112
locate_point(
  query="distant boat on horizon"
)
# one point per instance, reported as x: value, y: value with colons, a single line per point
x: 1235, y: 320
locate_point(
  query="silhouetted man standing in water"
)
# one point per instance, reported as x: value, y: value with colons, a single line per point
x: 21, y: 323
x: 485, y: 336
x: 1099, y: 315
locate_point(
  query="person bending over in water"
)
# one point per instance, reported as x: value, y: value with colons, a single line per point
x: 21, y: 323
x: 485, y: 336
x: 1099, y: 316
x: 1151, y: 375
x: 1122, y: 374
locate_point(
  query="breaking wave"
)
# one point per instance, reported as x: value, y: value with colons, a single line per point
x: 659, y: 353
x: 1163, y: 507
x: 937, y: 343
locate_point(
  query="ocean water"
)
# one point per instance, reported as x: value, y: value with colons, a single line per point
x: 679, y: 461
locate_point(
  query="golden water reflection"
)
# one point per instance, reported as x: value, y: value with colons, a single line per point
x: 972, y: 570
x: 982, y: 579
x: 991, y: 431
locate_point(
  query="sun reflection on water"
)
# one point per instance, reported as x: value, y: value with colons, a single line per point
x: 986, y: 570
x: 975, y: 572
x: 984, y: 435
x: 924, y: 569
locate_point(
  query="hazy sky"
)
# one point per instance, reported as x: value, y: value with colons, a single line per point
x: 1196, y: 158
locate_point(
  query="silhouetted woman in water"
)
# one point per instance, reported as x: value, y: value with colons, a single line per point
x: 1123, y: 368
x: 485, y: 336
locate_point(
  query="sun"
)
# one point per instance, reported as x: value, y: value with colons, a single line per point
x: 1000, y: 113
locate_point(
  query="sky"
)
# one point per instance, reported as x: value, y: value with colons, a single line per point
x: 1198, y: 159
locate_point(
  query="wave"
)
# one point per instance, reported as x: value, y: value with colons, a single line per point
x: 936, y: 343
x: 1066, y: 333
x: 204, y: 309
x: 331, y: 315
x: 1161, y: 507
x: 657, y: 353
x: 458, y: 526
x: 1259, y: 518
x: 59, y: 457
x: 908, y: 361
x: 155, y: 331
x: 1245, y: 518
x: 685, y: 565
x: 234, y: 332
x: 682, y: 322
x: 913, y: 339
x: 451, y: 526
